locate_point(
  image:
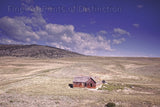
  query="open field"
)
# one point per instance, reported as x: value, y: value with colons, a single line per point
x: 30, y: 82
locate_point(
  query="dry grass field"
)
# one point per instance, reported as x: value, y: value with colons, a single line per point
x: 31, y: 82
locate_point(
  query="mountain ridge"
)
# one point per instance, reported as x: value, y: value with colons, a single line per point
x: 35, y: 51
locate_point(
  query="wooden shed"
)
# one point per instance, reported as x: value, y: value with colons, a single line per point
x: 84, y: 81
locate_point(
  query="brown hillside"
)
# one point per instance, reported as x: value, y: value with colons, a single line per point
x: 36, y: 51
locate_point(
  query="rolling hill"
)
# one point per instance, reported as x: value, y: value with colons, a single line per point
x: 35, y: 51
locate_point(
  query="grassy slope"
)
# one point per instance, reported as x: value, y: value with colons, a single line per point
x: 35, y: 51
x: 44, y: 82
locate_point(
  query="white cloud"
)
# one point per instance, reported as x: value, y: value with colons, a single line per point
x: 120, y: 32
x: 90, y: 42
x: 42, y: 33
x: 100, y: 38
x: 140, y: 6
x: 89, y: 52
x: 59, y: 45
x: 55, y: 28
x: 118, y: 41
x: 17, y: 29
x: 136, y: 25
x: 28, y: 39
x: 66, y: 38
x: 9, y: 41
x: 102, y: 32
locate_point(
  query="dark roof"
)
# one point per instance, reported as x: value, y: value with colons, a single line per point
x: 82, y: 79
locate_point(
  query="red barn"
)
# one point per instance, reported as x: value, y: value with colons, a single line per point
x: 84, y: 82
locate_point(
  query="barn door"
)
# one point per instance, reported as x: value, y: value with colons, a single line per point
x: 91, y: 84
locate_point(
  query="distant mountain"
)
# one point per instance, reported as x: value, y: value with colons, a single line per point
x: 36, y: 51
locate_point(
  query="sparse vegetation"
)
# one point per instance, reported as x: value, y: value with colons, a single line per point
x: 110, y: 104
x: 112, y: 86
x: 11, y: 101
x: 57, y: 102
x: 46, y: 82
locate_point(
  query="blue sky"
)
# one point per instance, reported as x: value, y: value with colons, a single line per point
x: 91, y: 27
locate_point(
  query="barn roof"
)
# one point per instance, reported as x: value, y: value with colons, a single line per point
x: 81, y: 79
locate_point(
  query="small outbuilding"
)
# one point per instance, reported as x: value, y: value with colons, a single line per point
x: 84, y: 81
